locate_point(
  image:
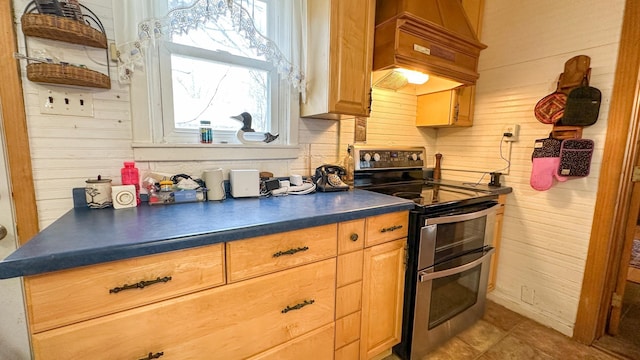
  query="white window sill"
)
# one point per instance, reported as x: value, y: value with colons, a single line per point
x: 202, y: 152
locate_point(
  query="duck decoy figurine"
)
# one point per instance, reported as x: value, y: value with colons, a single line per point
x: 247, y: 135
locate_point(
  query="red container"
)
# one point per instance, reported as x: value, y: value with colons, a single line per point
x: 131, y: 176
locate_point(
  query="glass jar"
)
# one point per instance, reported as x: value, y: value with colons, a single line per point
x: 206, y: 132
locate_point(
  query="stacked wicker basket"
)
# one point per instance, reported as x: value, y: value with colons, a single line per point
x: 68, y: 30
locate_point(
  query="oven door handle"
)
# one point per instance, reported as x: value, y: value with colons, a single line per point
x: 461, y: 217
x: 427, y: 276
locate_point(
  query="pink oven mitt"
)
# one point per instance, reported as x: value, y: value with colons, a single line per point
x: 546, y: 160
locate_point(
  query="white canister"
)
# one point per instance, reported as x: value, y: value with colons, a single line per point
x: 214, y: 179
x: 98, y: 193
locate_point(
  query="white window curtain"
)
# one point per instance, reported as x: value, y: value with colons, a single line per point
x: 138, y: 23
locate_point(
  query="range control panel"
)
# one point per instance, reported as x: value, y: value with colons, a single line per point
x: 388, y: 158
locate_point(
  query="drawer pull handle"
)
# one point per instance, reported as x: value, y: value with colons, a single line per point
x: 354, y: 237
x: 139, y: 285
x: 290, y: 251
x: 393, y: 228
x: 153, y: 356
x: 297, y: 306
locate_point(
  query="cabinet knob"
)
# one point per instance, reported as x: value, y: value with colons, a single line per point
x: 353, y: 237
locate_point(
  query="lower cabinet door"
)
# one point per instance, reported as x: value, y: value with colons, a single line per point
x: 230, y: 322
x: 317, y: 344
x: 382, y: 297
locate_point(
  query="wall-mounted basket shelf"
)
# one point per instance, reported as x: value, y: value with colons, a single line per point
x: 67, y: 75
x: 62, y: 29
x: 72, y: 31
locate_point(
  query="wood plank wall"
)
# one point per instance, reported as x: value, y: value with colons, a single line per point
x: 546, y: 233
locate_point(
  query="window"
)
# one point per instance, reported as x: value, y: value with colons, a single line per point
x: 212, y: 73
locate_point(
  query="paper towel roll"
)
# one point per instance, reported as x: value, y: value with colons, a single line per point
x: 215, y: 183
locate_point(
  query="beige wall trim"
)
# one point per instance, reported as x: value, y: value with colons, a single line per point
x: 15, y: 129
x: 614, y: 194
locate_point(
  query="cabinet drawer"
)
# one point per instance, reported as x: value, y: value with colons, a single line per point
x: 228, y: 322
x: 347, y: 329
x: 317, y: 344
x: 266, y: 254
x: 386, y: 227
x: 348, y: 299
x: 349, y: 268
x: 69, y: 296
x: 350, y: 236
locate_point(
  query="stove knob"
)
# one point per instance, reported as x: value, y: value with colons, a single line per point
x: 376, y: 157
x: 413, y: 157
x: 367, y: 157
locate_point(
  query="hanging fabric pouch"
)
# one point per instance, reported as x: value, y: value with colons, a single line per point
x: 575, y: 157
x: 550, y: 108
x: 583, y: 105
x: 545, y: 161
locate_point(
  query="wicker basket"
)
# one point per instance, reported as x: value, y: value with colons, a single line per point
x: 62, y: 29
x: 67, y: 75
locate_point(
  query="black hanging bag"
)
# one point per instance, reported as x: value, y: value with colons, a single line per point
x: 583, y: 106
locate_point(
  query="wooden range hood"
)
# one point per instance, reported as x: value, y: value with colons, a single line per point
x: 430, y: 36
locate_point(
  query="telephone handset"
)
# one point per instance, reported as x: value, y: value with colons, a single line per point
x: 327, y: 178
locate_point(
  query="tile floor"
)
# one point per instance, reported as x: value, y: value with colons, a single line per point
x: 503, y: 334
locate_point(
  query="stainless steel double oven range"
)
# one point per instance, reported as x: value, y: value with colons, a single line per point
x: 449, y: 246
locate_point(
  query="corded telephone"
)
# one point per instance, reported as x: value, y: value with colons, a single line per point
x: 327, y: 178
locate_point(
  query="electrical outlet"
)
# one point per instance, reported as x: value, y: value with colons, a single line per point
x: 513, y: 129
x: 57, y: 102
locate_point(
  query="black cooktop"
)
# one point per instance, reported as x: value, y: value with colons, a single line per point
x: 441, y: 195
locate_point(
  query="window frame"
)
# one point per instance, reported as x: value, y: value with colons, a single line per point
x: 152, y: 141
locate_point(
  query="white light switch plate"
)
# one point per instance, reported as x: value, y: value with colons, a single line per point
x: 61, y: 102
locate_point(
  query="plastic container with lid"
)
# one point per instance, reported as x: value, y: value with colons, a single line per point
x: 131, y: 176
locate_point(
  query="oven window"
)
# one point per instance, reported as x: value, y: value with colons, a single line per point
x: 453, y: 294
x: 453, y: 239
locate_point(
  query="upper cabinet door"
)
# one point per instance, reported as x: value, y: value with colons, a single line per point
x: 340, y: 53
x: 446, y: 108
x: 352, y: 33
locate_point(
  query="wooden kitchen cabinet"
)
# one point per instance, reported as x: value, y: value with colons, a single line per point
x: 340, y: 53
x: 228, y: 322
x: 382, y: 297
x: 451, y: 108
x: 341, y: 298
x: 351, y: 238
x: 383, y: 283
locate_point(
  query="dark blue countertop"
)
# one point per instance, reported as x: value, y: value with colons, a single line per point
x: 89, y: 236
